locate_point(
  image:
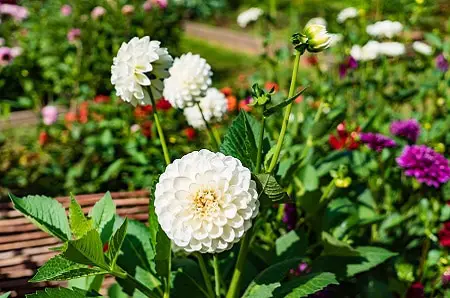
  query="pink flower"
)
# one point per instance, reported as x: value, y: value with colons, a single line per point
x: 127, y: 9
x: 16, y: 51
x: 97, y: 12
x: 17, y: 12
x: 6, y: 56
x: 161, y: 3
x: 66, y: 10
x: 147, y: 6
x: 49, y: 115
x: 73, y: 35
x: 135, y: 128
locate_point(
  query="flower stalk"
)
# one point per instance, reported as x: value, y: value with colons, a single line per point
x: 235, y: 285
x: 202, y: 265
x: 216, y: 275
x: 159, y: 129
x: 211, y: 134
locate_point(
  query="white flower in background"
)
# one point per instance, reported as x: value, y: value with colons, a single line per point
x: 422, y: 48
x: 385, y: 28
x: 391, y: 49
x: 140, y: 63
x: 213, y: 105
x: 347, y: 13
x: 367, y: 52
x: 248, y: 16
x: 318, y: 37
x: 49, y: 115
x: 190, y: 77
x: 317, y: 21
x: 335, y: 38
x: 2, y: 41
x: 206, y: 201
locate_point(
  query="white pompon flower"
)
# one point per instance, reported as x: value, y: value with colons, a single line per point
x: 248, y: 16
x: 385, y: 28
x: 206, y: 201
x: 422, y: 48
x: 190, y: 77
x: 317, y: 21
x: 347, y: 13
x: 369, y: 51
x: 391, y: 49
x: 140, y: 64
x: 213, y: 105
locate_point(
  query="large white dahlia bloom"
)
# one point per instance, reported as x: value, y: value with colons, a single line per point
x: 190, y: 77
x: 206, y: 201
x: 422, y: 48
x: 248, y: 16
x: 138, y: 64
x: 369, y: 51
x: 392, y: 49
x: 385, y: 28
x: 213, y: 105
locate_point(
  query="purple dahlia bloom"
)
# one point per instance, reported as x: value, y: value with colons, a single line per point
x: 441, y: 63
x: 290, y: 215
x: 409, y: 129
x: 376, y: 141
x: 425, y: 164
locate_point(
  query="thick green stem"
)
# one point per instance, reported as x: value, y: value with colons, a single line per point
x: 217, y: 275
x: 287, y: 113
x: 209, y: 130
x: 202, y: 265
x: 159, y: 129
x: 235, y: 285
x: 260, y: 143
x: 273, y: 8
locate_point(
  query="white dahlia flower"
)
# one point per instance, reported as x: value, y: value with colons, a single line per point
x: 367, y: 52
x: 214, y: 106
x: 335, y: 38
x: 138, y: 64
x: 422, y: 48
x: 248, y: 16
x: 391, y: 49
x: 317, y: 21
x: 385, y: 28
x: 347, y: 13
x: 206, y: 201
x: 190, y: 77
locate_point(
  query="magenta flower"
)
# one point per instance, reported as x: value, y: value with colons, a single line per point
x: 97, y: 12
x: 290, y: 216
x: 350, y: 63
x: 441, y: 63
x: 18, y: 13
x: 376, y: 141
x: 416, y: 290
x: 49, y: 115
x: 161, y: 3
x: 6, y: 56
x: 425, y: 164
x: 73, y: 35
x: 409, y: 129
x: 66, y: 10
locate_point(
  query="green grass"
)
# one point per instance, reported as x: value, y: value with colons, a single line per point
x: 226, y: 65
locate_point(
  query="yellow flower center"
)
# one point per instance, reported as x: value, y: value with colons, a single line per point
x: 205, y: 201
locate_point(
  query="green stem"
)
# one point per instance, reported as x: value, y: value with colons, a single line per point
x: 273, y: 8
x: 216, y: 135
x: 209, y: 130
x: 201, y: 263
x: 287, y: 113
x: 217, y: 275
x: 137, y: 284
x: 260, y: 143
x: 159, y: 129
x: 235, y: 285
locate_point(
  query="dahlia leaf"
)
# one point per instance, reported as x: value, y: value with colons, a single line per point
x: 292, y: 244
x: 87, y: 250
x: 5, y: 295
x: 103, y: 214
x: 270, y: 188
x: 116, y: 243
x: 79, y: 224
x: 63, y: 293
x: 306, y: 285
x: 272, y: 110
x: 46, y: 213
x: 335, y: 247
x: 55, y: 267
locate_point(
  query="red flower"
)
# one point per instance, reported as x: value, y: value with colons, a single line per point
x: 270, y: 85
x: 227, y: 91
x: 146, y: 128
x: 312, y: 60
x: 163, y: 105
x: 105, y: 247
x: 43, y: 138
x: 416, y: 291
x: 190, y: 133
x: 101, y: 98
x: 345, y: 139
x: 141, y: 112
x: 444, y: 235
x: 83, y: 112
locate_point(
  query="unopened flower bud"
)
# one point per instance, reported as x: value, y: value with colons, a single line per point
x: 318, y: 38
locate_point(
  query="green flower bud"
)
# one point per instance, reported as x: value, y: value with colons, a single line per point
x: 318, y: 38
x: 260, y: 97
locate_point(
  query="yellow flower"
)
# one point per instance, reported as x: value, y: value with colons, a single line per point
x: 343, y: 182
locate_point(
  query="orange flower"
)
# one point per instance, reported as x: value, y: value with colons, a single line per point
x: 270, y: 85
x: 43, y: 138
x: 101, y: 98
x: 83, y: 112
x: 141, y: 112
x: 227, y: 91
x: 232, y: 103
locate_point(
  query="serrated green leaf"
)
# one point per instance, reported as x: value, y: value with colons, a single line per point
x: 103, y: 214
x: 281, y: 105
x: 348, y: 266
x: 292, y: 244
x: 272, y: 189
x: 46, y: 213
x: 54, y: 268
x: 63, y: 293
x: 87, y: 250
x: 116, y: 243
x: 79, y: 224
x: 310, y: 178
x: 269, y: 280
x: 306, y: 285
x: 335, y: 247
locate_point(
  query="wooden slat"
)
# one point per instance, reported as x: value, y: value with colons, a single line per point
x: 22, y: 237
x: 32, y: 243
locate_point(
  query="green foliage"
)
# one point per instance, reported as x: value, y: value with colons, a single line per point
x: 87, y: 250
x: 63, y: 293
x: 291, y: 245
x: 270, y: 190
x: 103, y: 214
x: 116, y: 243
x: 307, y: 285
x: 79, y: 224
